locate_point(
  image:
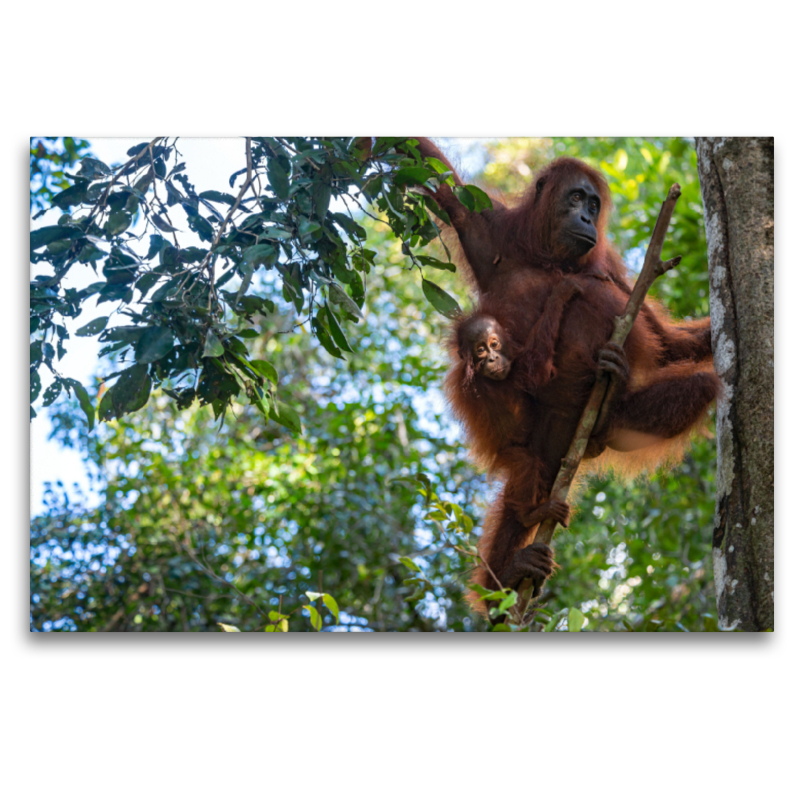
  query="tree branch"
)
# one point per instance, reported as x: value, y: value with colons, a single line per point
x: 653, y: 268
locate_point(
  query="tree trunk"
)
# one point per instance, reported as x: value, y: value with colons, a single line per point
x: 737, y: 180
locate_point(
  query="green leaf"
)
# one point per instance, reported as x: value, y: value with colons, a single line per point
x: 440, y: 300
x: 481, y: 200
x: 218, y: 197
x: 266, y: 369
x: 339, y: 297
x: 332, y: 606
x: 316, y: 619
x: 280, y: 623
x: 193, y: 255
x: 228, y: 628
x: 276, y: 233
x: 508, y: 602
x: 465, y: 197
x: 438, y: 165
x: 162, y: 224
x: 36, y: 385
x: 53, y: 233
x: 123, y: 333
x: 118, y: 222
x: 260, y: 254
x: 321, y: 195
x: 336, y: 330
x: 575, y: 620
x: 407, y: 562
x: 352, y: 228
x: 436, y: 210
x: 93, y: 327
x: 321, y: 332
x: 129, y: 393
x: 93, y: 168
x: 307, y: 227
x: 551, y: 625
x: 73, y: 196
x: 51, y: 393
x: 413, y: 175
x: 501, y: 627
x: 154, y: 344
x: 57, y: 248
x: 168, y: 291
x: 83, y: 399
x: 213, y: 347
x: 435, y: 263
x: 286, y: 416
x: 278, y: 179
x: 90, y: 253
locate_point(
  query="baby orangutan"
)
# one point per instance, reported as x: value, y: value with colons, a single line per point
x: 485, y: 341
x: 503, y: 416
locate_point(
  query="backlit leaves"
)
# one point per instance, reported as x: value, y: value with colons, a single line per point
x: 296, y: 250
x: 129, y: 393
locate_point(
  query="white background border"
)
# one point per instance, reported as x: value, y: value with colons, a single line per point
x: 391, y: 716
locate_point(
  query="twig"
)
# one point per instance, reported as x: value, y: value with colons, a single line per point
x: 155, y: 193
x: 653, y: 268
x: 120, y: 171
x: 208, y: 261
x: 189, y: 550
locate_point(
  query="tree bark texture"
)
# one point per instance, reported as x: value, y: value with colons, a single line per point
x: 737, y: 180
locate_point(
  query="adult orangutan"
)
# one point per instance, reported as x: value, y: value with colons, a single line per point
x: 549, y: 287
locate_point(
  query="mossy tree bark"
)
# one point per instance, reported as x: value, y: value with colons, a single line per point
x: 737, y: 180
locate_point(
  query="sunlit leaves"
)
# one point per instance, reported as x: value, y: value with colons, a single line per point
x: 316, y: 620
x: 575, y: 620
x: 327, y: 601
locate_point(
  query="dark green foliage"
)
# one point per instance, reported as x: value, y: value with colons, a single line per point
x: 188, y: 330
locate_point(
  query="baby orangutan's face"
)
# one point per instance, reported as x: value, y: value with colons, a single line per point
x: 487, y: 344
